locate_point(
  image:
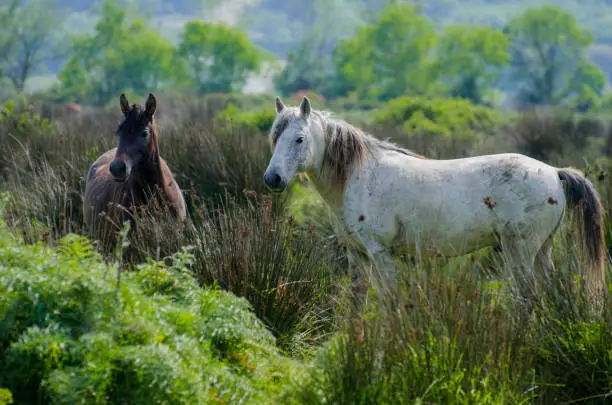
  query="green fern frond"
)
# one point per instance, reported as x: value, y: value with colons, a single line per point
x: 76, y: 247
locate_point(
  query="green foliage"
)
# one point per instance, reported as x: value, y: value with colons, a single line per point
x: 67, y: 336
x: 6, y: 398
x: 469, y: 60
x: 578, y: 357
x: 286, y: 267
x: 388, y: 58
x: 18, y: 118
x: 256, y: 122
x: 218, y: 57
x: 305, y: 70
x: 310, y: 62
x: 28, y: 37
x: 455, y: 121
x: 549, y: 61
x: 119, y: 56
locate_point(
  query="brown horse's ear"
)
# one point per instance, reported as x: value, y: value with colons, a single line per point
x: 305, y: 107
x: 125, y: 105
x: 151, y: 105
x: 280, y: 106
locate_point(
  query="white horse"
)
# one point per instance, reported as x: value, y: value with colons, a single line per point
x: 392, y: 198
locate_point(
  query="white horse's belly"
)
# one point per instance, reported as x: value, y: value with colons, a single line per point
x: 455, y: 206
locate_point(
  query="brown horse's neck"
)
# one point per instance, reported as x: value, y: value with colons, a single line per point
x: 149, y: 173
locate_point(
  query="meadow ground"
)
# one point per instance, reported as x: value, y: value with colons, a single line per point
x: 257, y: 305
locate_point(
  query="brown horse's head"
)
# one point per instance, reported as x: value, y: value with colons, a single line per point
x: 137, y: 138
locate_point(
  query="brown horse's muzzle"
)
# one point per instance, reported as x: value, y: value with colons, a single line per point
x: 120, y: 169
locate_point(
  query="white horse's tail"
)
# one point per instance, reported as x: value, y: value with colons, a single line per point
x: 583, y: 198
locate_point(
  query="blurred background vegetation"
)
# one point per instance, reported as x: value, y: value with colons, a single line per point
x: 501, y: 53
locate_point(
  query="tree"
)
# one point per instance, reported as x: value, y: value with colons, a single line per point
x: 27, y: 38
x: 388, y: 58
x: 310, y: 66
x: 469, y: 60
x: 218, y: 57
x: 119, y: 56
x: 549, y: 64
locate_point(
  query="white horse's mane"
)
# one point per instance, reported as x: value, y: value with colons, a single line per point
x: 338, y: 126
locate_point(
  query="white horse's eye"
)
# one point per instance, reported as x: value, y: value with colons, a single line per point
x: 300, y: 139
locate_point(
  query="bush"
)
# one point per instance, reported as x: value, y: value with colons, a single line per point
x: 576, y: 356
x: 555, y: 135
x: 71, y: 332
x: 255, y: 122
x: 314, y: 97
x: 457, y: 123
x: 288, y: 271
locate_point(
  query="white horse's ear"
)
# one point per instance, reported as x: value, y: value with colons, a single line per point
x: 125, y: 105
x: 280, y: 106
x: 305, y: 107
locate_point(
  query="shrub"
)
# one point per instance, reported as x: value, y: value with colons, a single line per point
x: 70, y: 332
x: 6, y: 398
x: 288, y: 271
x: 575, y: 360
x: 19, y: 117
x: 554, y: 135
x: 458, y: 123
x: 255, y: 122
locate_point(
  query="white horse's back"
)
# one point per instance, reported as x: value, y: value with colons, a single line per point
x: 453, y: 206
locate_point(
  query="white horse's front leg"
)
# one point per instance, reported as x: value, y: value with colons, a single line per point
x: 382, y: 260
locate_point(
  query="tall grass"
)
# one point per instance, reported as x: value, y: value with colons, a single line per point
x: 457, y: 334
x: 455, y: 331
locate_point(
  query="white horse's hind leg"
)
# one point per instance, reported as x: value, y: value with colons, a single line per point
x: 519, y: 257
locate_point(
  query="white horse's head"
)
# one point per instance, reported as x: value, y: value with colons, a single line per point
x: 298, y: 141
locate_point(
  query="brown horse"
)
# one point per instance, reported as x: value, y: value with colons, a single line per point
x: 131, y: 176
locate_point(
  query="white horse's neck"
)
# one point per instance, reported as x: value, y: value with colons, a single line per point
x: 323, y: 180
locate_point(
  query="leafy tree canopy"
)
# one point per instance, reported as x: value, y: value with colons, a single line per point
x: 119, y: 56
x: 469, y: 60
x: 549, y: 64
x: 28, y: 37
x: 218, y: 57
x: 388, y: 58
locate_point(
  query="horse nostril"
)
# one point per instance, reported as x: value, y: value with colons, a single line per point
x: 118, y: 168
x: 277, y: 180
